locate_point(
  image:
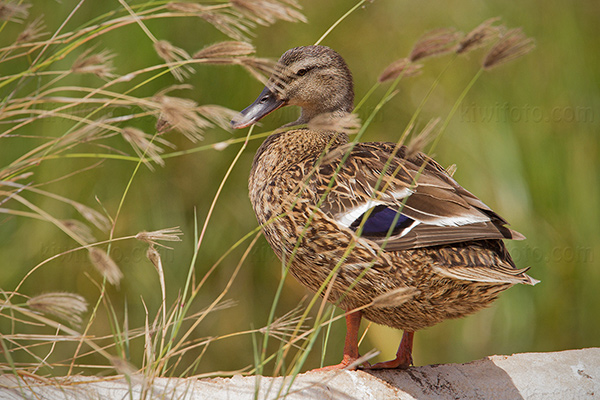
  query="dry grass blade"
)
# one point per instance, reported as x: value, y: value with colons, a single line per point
x: 403, y: 67
x: 346, y: 123
x: 172, y: 54
x: 123, y: 367
x: 395, y: 298
x: 99, y: 64
x: 107, y: 267
x: 511, y: 45
x: 266, y: 12
x: 90, y: 131
x: 191, y: 8
x: 480, y: 36
x: 16, y: 178
x: 435, y: 43
x: 225, y: 49
x: 14, y: 11
x: 67, y: 306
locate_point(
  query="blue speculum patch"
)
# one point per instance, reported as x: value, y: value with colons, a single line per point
x: 381, y: 219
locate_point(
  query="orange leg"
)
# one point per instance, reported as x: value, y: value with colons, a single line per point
x: 403, y: 358
x: 350, y: 344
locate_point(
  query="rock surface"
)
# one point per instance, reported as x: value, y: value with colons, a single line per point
x: 572, y: 374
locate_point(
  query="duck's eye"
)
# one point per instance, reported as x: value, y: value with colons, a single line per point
x: 302, y: 72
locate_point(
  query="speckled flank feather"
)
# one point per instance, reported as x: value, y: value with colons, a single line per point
x: 399, y: 235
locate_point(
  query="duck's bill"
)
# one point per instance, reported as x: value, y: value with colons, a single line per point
x: 266, y: 103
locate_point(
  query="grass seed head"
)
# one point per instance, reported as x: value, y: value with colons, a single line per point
x: 105, y: 265
x: 93, y: 216
x: 220, y: 115
x: 451, y: 169
x: 435, y: 43
x: 33, y: 31
x: 173, y: 54
x: 154, y: 256
x: 99, y: 64
x: 230, y: 23
x: 142, y: 145
x: 80, y: 229
x: 287, y: 326
x: 14, y: 11
x: 259, y: 68
x: 180, y: 114
x: 418, y: 142
x: 165, y: 235
x: 512, y: 45
x: 67, y: 306
x: 225, y: 49
x: 267, y: 12
x: 480, y: 36
x: 403, y: 67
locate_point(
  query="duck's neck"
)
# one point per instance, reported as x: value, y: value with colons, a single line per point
x: 339, y: 107
x: 307, y: 115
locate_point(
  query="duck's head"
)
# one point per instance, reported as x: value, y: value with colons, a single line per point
x: 315, y: 78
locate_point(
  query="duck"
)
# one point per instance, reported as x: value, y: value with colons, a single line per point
x: 384, y: 233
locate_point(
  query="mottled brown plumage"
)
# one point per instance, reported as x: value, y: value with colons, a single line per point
x: 402, y: 240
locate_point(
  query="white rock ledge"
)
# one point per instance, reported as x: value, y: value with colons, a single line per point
x: 571, y: 374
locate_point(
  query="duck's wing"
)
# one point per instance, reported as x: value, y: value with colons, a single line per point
x: 374, y: 190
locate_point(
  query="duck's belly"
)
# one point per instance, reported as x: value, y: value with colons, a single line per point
x: 410, y: 298
x: 443, y: 299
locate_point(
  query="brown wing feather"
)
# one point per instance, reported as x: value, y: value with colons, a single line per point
x: 431, y: 235
x: 448, y: 212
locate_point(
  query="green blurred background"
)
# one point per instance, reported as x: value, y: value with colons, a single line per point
x: 526, y: 141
